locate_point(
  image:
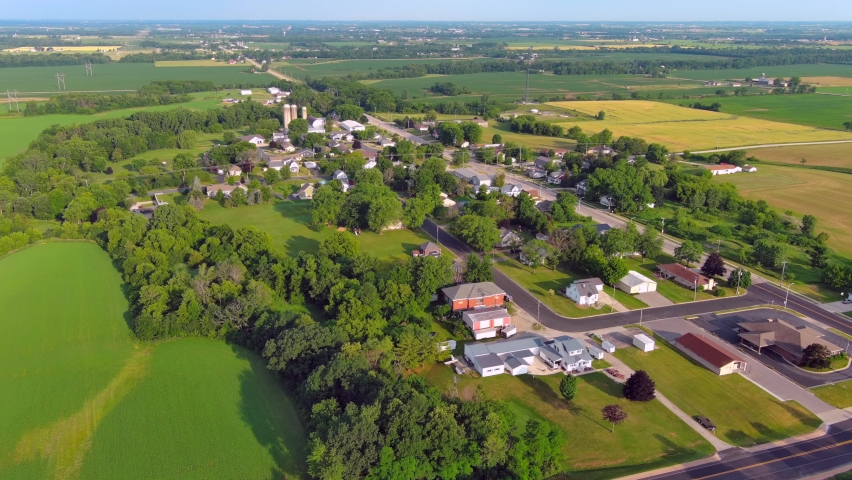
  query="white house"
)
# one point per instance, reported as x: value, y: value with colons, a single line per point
x: 340, y: 175
x: 508, y: 239
x: 643, y: 342
x: 486, y: 322
x: 310, y: 165
x: 234, y: 171
x: 635, y: 282
x: 606, y: 201
x: 342, y: 136
x: 280, y: 137
x: 585, y: 292
x: 275, y: 163
x: 511, y: 190
x: 245, y: 92
x: 370, y: 164
x: 514, y: 356
x: 749, y: 169
x: 253, y: 139
x: 479, y: 180
x: 226, y: 189
x: 294, y: 167
x: 536, y: 173
x: 555, y: 177
x: 724, y: 169
x: 352, y: 126
x: 386, y: 142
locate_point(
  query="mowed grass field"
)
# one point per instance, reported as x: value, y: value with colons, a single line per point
x: 823, y: 111
x: 826, y: 195
x: 743, y: 413
x: 120, y: 77
x: 682, y: 128
x: 651, y: 437
x: 827, y: 155
x: 82, y: 400
x: 289, y: 224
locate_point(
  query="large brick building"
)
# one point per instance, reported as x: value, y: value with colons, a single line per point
x: 468, y: 296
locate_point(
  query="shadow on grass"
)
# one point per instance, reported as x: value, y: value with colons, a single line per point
x: 298, y: 244
x: 287, y: 448
x: 555, y: 401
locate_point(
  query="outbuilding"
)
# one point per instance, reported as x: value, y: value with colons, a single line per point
x: 607, y: 347
x: 643, y: 342
x: 596, y: 353
x: 635, y: 282
x: 709, y: 354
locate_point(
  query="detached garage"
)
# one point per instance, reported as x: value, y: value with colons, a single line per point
x: 635, y: 282
x: 707, y: 353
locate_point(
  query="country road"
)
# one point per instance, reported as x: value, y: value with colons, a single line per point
x: 394, y: 129
x: 274, y: 73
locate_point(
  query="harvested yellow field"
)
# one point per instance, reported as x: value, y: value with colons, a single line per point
x: 828, y: 155
x: 194, y: 63
x: 829, y: 81
x: 80, y: 49
x: 682, y: 128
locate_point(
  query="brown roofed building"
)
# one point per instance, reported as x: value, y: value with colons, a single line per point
x: 427, y: 249
x: 783, y: 338
x: 468, y: 296
x: 685, y: 276
x: 707, y: 353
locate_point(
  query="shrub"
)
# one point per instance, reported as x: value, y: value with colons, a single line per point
x: 568, y: 387
x: 720, y: 292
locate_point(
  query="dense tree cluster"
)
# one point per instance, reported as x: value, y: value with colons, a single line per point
x: 49, y: 59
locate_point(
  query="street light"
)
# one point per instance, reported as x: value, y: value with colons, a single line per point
x: 739, y: 279
x: 788, y: 294
x: 783, y: 269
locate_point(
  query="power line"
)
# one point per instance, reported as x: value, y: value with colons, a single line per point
x: 89, y: 72
x: 12, y: 97
x: 60, y: 81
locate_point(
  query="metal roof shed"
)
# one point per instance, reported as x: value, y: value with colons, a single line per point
x: 608, y: 347
x: 643, y: 342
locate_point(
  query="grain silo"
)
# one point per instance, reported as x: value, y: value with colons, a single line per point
x: 294, y: 111
x: 305, y: 113
x: 286, y: 114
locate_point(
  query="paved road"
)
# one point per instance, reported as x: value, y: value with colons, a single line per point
x: 391, y: 127
x: 794, y: 461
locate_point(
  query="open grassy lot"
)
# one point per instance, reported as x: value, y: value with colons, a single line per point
x: 81, y: 400
x: 828, y: 155
x: 120, y: 77
x: 839, y: 394
x: 743, y: 413
x: 823, y: 111
x: 289, y: 224
x: 652, y: 437
x: 683, y: 128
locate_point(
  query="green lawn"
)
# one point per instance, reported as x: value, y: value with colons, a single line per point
x: 836, y: 364
x: 289, y: 224
x: 743, y: 413
x: 839, y: 394
x: 652, y: 437
x: 82, y: 400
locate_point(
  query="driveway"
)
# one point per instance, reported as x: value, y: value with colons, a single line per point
x: 767, y: 379
x: 838, y: 307
x: 654, y: 299
x: 724, y: 327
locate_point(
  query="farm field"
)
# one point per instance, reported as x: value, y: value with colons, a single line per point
x: 325, y: 67
x: 828, y: 155
x: 73, y: 383
x: 823, y: 111
x: 119, y: 77
x: 196, y: 63
x: 651, y: 437
x: 743, y: 413
x: 682, y: 128
x: 289, y: 224
x: 786, y: 71
x: 17, y: 132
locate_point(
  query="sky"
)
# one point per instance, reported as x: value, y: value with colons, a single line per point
x: 433, y: 10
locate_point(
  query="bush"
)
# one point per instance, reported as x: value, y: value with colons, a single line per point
x: 568, y: 387
x: 720, y: 292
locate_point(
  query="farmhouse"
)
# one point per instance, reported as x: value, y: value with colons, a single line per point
x: 510, y: 190
x: 427, y: 249
x: 635, y: 282
x: 352, y: 126
x: 685, y: 276
x: 508, y: 239
x: 517, y: 355
x: 226, y: 189
x: 585, y: 292
x: 723, y: 169
x: 468, y: 296
x: 783, y: 338
x: 709, y: 354
x: 485, y: 322
x: 253, y: 139
x: 306, y: 192
x: 749, y: 169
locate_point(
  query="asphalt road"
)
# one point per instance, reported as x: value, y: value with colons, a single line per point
x: 394, y: 129
x: 798, y: 460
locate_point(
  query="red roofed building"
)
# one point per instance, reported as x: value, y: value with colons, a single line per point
x: 685, y: 276
x: 707, y: 353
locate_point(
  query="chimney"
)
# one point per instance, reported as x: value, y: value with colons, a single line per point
x: 286, y: 115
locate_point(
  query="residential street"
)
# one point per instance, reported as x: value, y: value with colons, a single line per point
x: 394, y: 129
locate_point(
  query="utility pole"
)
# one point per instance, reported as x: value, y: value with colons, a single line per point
x: 663, y: 229
x: 695, y: 297
x: 783, y: 269
x: 788, y: 294
x: 60, y: 81
x: 89, y: 72
x: 739, y: 279
x: 719, y: 245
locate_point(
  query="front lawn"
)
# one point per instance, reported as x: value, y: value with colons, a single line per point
x: 667, y: 288
x: 838, y: 395
x: 743, y: 413
x: 837, y: 363
x: 651, y: 437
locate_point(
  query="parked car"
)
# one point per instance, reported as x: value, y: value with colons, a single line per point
x: 706, y: 423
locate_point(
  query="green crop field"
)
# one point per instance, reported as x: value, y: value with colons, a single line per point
x: 324, y: 67
x: 785, y: 71
x: 119, y: 77
x: 744, y: 414
x: 82, y: 400
x: 651, y: 437
x: 823, y: 111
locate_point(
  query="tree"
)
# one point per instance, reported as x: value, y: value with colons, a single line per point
x: 535, y: 253
x: 847, y: 126
x: 472, y: 132
x: 497, y: 138
x: 450, y: 134
x: 298, y: 128
x: 183, y: 161
x: 187, y: 139
x: 271, y: 176
x: 614, y: 414
x: 601, y: 115
x: 657, y: 153
x: 461, y: 157
x: 816, y: 355
x: 639, y: 387
x: 819, y: 255
x: 499, y: 179
x: 809, y: 223
x: 714, y: 266
x: 479, y: 232
x: 568, y: 387
x: 649, y: 243
x: 837, y: 275
x: 340, y: 245
x: 478, y: 269
x: 536, y: 453
x: 739, y: 277
x: 326, y: 205
x: 689, y: 251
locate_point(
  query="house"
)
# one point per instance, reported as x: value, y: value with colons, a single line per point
x: 723, y: 169
x: 560, y: 152
x: 543, y: 162
x: 273, y: 90
x: 600, y: 150
x: 386, y: 142
x: 601, y: 228
x: 708, y: 353
x: 245, y: 92
x: 293, y: 157
x: 542, y: 236
x: 508, y: 239
x: 480, y: 180
x: 515, y: 356
x: 234, y: 171
x: 465, y: 174
x: 306, y: 192
x: 685, y: 276
x: 226, y: 189
x: 635, y: 282
x: 523, y: 257
x: 253, y: 139
x: 294, y: 167
x: 316, y: 124
x: 585, y: 292
x: 310, y: 165
x: 783, y: 338
x: 342, y: 136
x: 749, y: 169
x: 306, y: 153
x: 643, y: 342
x: 544, y: 206
x: 340, y: 175
x: 370, y: 164
x: 421, y: 127
x: 468, y: 296
x: 536, y: 173
x: 581, y: 188
x: 427, y: 249
x: 286, y: 146
x: 535, y: 194
x: 352, y: 126
x: 280, y: 137
x: 275, y: 163
x: 486, y: 322
x: 555, y: 177
x: 232, y: 62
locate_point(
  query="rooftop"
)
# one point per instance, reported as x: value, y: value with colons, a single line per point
x: 634, y: 278
x: 784, y: 335
x: 472, y: 290
x: 706, y: 349
x: 684, y: 273
x: 487, y: 313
